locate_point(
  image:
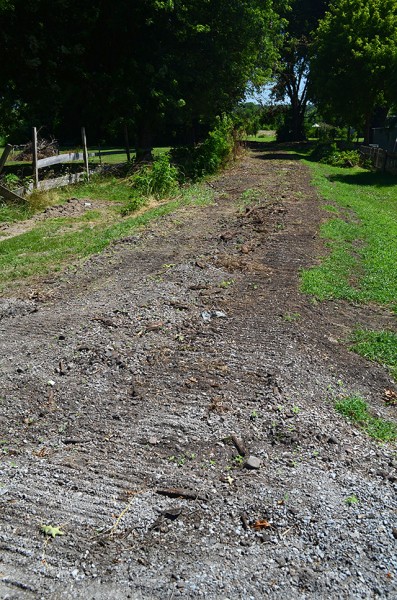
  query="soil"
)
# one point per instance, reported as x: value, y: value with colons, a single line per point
x: 169, y: 406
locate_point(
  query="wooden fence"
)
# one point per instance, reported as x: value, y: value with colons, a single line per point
x: 50, y: 183
x: 381, y: 159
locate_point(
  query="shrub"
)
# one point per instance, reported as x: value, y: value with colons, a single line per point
x: 158, y: 179
x: 330, y: 154
x: 209, y: 156
x: 133, y: 204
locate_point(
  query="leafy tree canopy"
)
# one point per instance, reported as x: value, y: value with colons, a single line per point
x: 354, y: 62
x: 66, y: 63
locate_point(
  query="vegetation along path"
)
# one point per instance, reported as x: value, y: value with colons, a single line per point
x: 168, y: 421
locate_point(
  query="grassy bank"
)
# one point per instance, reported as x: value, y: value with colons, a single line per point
x: 360, y: 264
x: 360, y: 261
x: 55, y: 243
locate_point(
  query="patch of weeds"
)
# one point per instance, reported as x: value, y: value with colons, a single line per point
x: 181, y: 460
x: 248, y: 197
x: 355, y: 409
x: 134, y: 203
x: 178, y: 460
x: 378, y: 346
x: 238, y: 460
x: 226, y: 283
x: 351, y: 500
x: 48, y: 247
x: 291, y: 317
x: 159, y: 180
x: 11, y: 181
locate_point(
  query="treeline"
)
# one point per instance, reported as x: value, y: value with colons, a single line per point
x: 157, y: 66
x: 165, y: 69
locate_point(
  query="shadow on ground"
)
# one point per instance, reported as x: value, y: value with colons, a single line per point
x: 366, y: 178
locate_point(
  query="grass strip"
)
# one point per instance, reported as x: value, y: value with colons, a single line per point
x: 378, y: 346
x: 361, y: 263
x: 355, y: 409
x: 56, y: 243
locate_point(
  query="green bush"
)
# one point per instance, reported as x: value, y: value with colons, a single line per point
x: 330, y: 154
x: 133, y: 204
x: 209, y: 156
x: 159, y: 179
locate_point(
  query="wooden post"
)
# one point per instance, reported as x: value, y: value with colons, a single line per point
x: 127, y: 143
x: 4, y: 156
x: 85, y: 152
x: 34, y: 159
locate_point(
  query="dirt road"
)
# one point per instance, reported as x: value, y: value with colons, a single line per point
x: 169, y: 407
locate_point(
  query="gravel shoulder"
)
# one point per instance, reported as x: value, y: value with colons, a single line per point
x: 169, y: 406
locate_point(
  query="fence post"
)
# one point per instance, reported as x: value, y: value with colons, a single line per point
x: 385, y: 161
x: 85, y: 152
x: 127, y: 143
x: 34, y: 159
x: 4, y: 156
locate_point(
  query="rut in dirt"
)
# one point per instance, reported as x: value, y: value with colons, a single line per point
x: 135, y: 390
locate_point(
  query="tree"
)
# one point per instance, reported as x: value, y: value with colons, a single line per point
x: 292, y: 70
x: 354, y: 61
x: 140, y: 63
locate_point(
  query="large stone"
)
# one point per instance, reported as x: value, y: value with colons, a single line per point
x: 252, y: 462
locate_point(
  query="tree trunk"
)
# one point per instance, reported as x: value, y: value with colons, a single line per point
x: 144, y: 146
x: 298, y: 125
x: 368, y: 129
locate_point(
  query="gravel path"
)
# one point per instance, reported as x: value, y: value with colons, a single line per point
x: 169, y: 407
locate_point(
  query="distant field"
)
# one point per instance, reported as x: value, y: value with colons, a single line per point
x: 262, y: 136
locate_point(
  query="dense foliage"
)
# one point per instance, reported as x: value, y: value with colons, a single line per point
x: 354, y: 62
x: 150, y: 64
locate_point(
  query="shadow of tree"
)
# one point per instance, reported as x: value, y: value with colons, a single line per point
x: 368, y: 178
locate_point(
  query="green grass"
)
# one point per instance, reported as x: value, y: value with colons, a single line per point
x: 112, y: 189
x: 269, y: 136
x: 362, y: 258
x: 378, y: 346
x: 56, y: 243
x: 355, y: 409
x: 10, y: 213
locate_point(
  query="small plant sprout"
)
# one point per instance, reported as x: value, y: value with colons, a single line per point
x: 51, y: 530
x: 254, y: 415
x: 351, y: 500
x: 226, y: 283
x: 295, y: 409
x: 291, y: 317
x: 238, y: 460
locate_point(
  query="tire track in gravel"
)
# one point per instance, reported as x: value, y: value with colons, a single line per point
x: 115, y: 386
